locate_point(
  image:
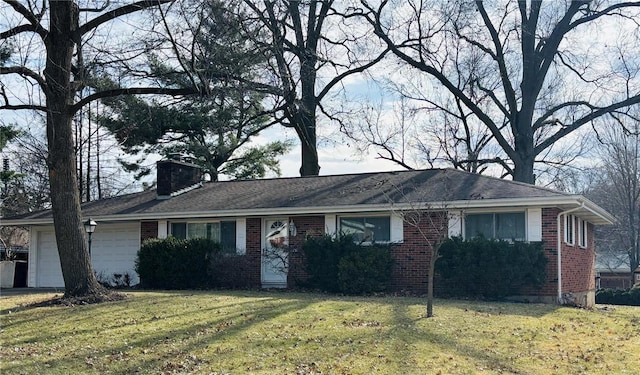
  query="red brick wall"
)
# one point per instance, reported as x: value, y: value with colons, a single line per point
x: 411, y: 258
x: 550, y: 240
x: 578, y: 273
x: 148, y: 229
x: 306, y: 226
x: 254, y: 250
x: 411, y: 267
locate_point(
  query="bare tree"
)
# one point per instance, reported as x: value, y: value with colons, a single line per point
x: 313, y: 48
x: 54, y: 30
x: 424, y: 133
x: 617, y: 188
x: 392, y: 138
x: 531, y: 77
x: 431, y: 222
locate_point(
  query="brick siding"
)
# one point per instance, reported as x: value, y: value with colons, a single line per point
x: 254, y: 251
x: 578, y: 274
x: 411, y: 258
x: 307, y: 226
x: 148, y: 229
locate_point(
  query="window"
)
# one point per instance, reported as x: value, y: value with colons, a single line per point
x: 582, y: 233
x: 638, y: 277
x: 503, y: 226
x: 569, y: 229
x: 223, y: 232
x: 367, y: 228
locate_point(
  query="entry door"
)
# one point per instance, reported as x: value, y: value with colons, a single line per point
x: 274, y: 254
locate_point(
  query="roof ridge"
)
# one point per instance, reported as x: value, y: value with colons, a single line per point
x: 512, y: 181
x: 332, y: 175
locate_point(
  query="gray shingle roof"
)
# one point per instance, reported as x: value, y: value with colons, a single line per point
x: 432, y: 185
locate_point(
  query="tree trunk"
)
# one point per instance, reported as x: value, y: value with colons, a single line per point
x: 77, y: 272
x: 307, y: 134
x: 432, y: 270
x: 306, y: 114
x: 523, y: 171
x: 524, y: 150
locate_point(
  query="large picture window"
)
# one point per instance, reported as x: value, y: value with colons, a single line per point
x: 222, y: 232
x: 510, y: 226
x: 367, y: 228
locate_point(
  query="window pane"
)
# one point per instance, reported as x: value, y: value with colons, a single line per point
x: 367, y: 229
x: 179, y: 230
x: 568, y: 234
x: 228, y: 236
x: 209, y: 231
x: 380, y: 228
x: 197, y: 230
x: 582, y: 232
x: 478, y: 225
x: 213, y: 232
x: 354, y: 226
x: 510, y: 226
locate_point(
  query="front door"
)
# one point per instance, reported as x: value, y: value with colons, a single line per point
x: 275, y: 260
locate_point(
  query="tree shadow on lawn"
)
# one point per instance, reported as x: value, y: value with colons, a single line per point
x: 87, y: 312
x: 448, y: 343
x: 180, y: 338
x: 534, y: 310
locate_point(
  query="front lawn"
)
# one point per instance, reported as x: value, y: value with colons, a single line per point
x: 246, y: 332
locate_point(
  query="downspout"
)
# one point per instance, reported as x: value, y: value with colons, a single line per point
x: 563, y: 213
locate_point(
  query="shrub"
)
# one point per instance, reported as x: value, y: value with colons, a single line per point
x: 339, y: 265
x: 490, y: 268
x: 229, y: 271
x: 366, y: 270
x: 175, y: 264
x: 629, y: 297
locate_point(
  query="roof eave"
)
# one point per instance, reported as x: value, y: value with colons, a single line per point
x: 598, y: 215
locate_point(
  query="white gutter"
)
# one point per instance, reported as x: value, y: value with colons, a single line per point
x: 558, y: 231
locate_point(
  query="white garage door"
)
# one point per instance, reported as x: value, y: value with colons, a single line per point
x: 48, y: 273
x: 113, y: 251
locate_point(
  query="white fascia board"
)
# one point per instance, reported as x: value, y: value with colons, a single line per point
x: 564, y: 201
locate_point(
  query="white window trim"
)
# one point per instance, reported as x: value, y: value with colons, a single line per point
x: 582, y: 233
x: 533, y: 222
x: 570, y: 219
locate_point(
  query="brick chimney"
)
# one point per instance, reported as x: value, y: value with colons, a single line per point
x: 176, y: 177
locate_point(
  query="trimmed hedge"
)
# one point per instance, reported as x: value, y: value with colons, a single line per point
x: 230, y: 271
x: 489, y: 268
x: 337, y: 264
x: 175, y: 264
x: 630, y: 297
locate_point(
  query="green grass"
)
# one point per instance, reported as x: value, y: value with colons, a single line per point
x: 291, y: 333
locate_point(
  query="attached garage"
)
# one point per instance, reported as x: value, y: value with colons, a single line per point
x: 113, y: 251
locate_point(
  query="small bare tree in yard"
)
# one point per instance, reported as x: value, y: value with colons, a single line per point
x: 431, y: 222
x: 432, y: 227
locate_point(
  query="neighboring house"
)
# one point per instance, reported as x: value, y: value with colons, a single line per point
x: 251, y: 215
x: 612, y: 271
